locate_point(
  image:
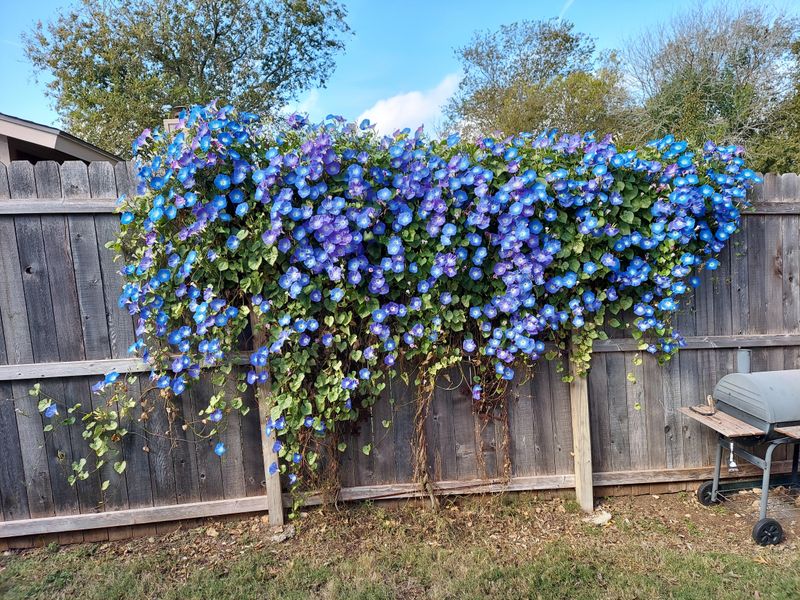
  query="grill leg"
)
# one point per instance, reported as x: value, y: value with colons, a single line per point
x: 795, y: 456
x: 765, y: 480
x: 717, y: 470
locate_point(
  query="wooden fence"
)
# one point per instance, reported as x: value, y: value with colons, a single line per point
x: 60, y: 325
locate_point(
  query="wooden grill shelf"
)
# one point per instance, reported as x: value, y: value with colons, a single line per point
x: 724, y: 424
x: 792, y: 432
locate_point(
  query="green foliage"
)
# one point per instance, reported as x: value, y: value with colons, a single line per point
x: 721, y: 72
x: 118, y: 67
x: 533, y: 75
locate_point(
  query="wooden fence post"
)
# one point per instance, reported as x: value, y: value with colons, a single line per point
x: 264, y: 400
x: 581, y: 438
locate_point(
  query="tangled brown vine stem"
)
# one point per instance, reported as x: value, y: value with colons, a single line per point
x: 424, y: 396
x: 506, y: 440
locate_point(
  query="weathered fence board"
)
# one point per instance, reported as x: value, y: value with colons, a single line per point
x: 59, y: 324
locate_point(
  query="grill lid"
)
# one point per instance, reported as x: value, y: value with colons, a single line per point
x: 770, y: 396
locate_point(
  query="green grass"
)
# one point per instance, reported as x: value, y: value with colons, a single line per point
x: 493, y: 549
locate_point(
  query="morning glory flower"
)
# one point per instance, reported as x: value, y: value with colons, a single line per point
x: 219, y: 449
x: 51, y: 411
x: 419, y: 232
x: 222, y: 182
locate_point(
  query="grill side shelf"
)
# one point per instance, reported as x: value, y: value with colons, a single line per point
x: 723, y: 423
x: 792, y: 432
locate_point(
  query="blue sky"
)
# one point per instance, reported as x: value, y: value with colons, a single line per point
x: 399, y: 66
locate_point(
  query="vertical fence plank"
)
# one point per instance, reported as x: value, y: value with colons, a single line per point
x: 184, y: 457
x: 581, y: 436
x: 618, y: 412
x: 208, y: 464
x: 562, y: 418
x: 14, y: 327
x: 598, y: 412
x: 232, y: 467
x: 653, y: 410
x: 740, y: 299
x: 520, y: 407
x: 545, y: 427
x: 252, y: 452
x: 68, y: 333
x: 91, y: 299
x: 121, y: 328
x: 22, y: 184
x: 441, y: 417
x: 773, y: 274
x: 53, y: 334
x: 12, y: 481
x: 382, y: 443
x: 403, y: 427
x: 272, y: 482
x: 790, y: 235
x: 673, y: 420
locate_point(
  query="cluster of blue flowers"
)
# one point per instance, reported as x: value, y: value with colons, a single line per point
x: 351, y: 250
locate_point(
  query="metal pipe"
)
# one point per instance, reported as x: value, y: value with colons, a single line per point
x: 743, y: 360
x: 717, y: 469
x: 765, y: 481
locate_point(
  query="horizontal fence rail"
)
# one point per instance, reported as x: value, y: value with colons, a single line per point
x: 59, y: 324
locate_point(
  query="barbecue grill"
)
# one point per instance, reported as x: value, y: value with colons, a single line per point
x: 750, y: 409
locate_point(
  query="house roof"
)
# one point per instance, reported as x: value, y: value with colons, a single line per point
x: 50, y: 137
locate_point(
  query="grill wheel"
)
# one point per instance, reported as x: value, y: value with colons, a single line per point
x: 704, y: 494
x: 767, y: 532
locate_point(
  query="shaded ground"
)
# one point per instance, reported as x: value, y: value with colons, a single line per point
x: 512, y: 546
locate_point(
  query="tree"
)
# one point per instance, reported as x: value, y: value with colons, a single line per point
x: 532, y: 75
x: 779, y: 148
x: 117, y: 67
x: 717, y: 72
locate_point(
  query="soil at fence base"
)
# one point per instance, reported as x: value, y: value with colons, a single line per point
x: 385, y: 544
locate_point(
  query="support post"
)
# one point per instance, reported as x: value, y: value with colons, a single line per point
x: 581, y: 439
x: 264, y: 400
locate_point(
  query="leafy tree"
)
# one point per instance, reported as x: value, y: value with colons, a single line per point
x: 532, y: 75
x: 117, y: 67
x: 716, y: 72
x: 779, y: 148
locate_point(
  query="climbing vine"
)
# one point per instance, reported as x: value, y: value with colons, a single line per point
x: 352, y: 256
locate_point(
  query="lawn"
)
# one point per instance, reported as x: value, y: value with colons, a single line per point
x: 497, y: 546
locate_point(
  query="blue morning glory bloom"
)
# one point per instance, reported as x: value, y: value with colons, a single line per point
x: 438, y: 242
x: 222, y: 182
x: 219, y: 449
x: 51, y: 411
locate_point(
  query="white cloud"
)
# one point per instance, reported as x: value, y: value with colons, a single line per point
x: 411, y: 109
x: 304, y: 105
